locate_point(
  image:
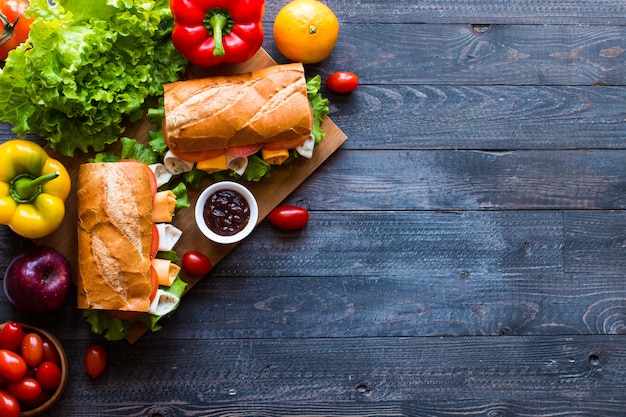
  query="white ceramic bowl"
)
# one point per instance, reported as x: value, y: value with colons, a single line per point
x: 204, y: 197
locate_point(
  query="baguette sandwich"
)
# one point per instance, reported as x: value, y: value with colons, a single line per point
x: 119, y: 235
x: 216, y: 121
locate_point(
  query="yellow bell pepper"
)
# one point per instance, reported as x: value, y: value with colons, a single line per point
x: 33, y: 189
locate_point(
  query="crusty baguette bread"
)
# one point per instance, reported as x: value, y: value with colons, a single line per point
x: 254, y: 108
x: 114, y: 203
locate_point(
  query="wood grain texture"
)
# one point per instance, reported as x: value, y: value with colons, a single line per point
x: 572, y: 12
x: 468, y: 180
x: 463, y: 54
x: 359, y: 377
x: 466, y: 250
x: 482, y: 117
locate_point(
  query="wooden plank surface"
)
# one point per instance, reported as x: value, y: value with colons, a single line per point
x: 532, y: 12
x: 465, y: 254
x: 363, y: 377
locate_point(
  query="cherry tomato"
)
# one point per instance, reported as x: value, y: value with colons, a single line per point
x: 12, y: 366
x: 9, y: 406
x: 342, y: 82
x: 95, y: 360
x: 289, y: 217
x: 32, y: 404
x: 25, y: 389
x: 49, y: 375
x: 32, y: 349
x: 196, y: 263
x: 11, y: 336
x: 50, y: 353
x: 15, y: 26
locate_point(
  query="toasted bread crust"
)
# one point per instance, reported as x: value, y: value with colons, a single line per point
x: 254, y: 108
x: 114, y: 203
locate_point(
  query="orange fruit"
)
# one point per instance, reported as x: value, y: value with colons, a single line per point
x: 306, y: 31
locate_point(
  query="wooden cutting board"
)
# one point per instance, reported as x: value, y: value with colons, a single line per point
x: 269, y: 192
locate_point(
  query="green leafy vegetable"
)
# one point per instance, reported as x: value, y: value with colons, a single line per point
x: 115, y: 329
x: 131, y: 149
x: 319, y: 104
x: 88, y: 66
x: 182, y: 199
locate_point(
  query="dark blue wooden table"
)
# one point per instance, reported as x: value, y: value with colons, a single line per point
x: 466, y: 252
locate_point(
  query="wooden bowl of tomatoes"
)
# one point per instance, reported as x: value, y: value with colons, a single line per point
x: 33, y: 370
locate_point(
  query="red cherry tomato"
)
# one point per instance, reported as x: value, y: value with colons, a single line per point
x: 342, y: 82
x: 32, y: 404
x: 32, y: 349
x: 49, y: 375
x: 11, y: 336
x: 25, y: 389
x: 196, y: 263
x: 95, y: 360
x: 12, y: 365
x: 289, y: 217
x: 50, y: 353
x: 16, y: 30
x: 9, y: 406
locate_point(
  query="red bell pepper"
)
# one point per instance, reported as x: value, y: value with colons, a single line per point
x: 211, y: 32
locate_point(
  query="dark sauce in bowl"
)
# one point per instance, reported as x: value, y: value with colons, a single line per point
x: 226, y: 212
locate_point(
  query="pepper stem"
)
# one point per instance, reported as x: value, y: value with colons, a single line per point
x: 25, y: 187
x: 218, y: 22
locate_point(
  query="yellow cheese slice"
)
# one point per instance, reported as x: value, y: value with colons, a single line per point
x: 219, y: 163
x: 275, y: 157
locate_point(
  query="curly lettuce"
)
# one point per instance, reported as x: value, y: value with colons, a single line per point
x: 103, y: 323
x: 87, y: 67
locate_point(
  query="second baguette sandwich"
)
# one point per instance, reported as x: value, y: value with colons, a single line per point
x: 114, y: 202
x: 256, y: 108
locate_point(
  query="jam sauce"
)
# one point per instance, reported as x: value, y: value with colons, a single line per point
x: 226, y: 212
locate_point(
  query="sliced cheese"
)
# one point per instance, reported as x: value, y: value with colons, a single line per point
x: 163, y: 206
x: 175, y: 165
x: 163, y: 303
x: 219, y: 163
x: 237, y: 163
x: 166, y: 270
x: 275, y: 157
x: 162, y: 175
x: 168, y: 236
